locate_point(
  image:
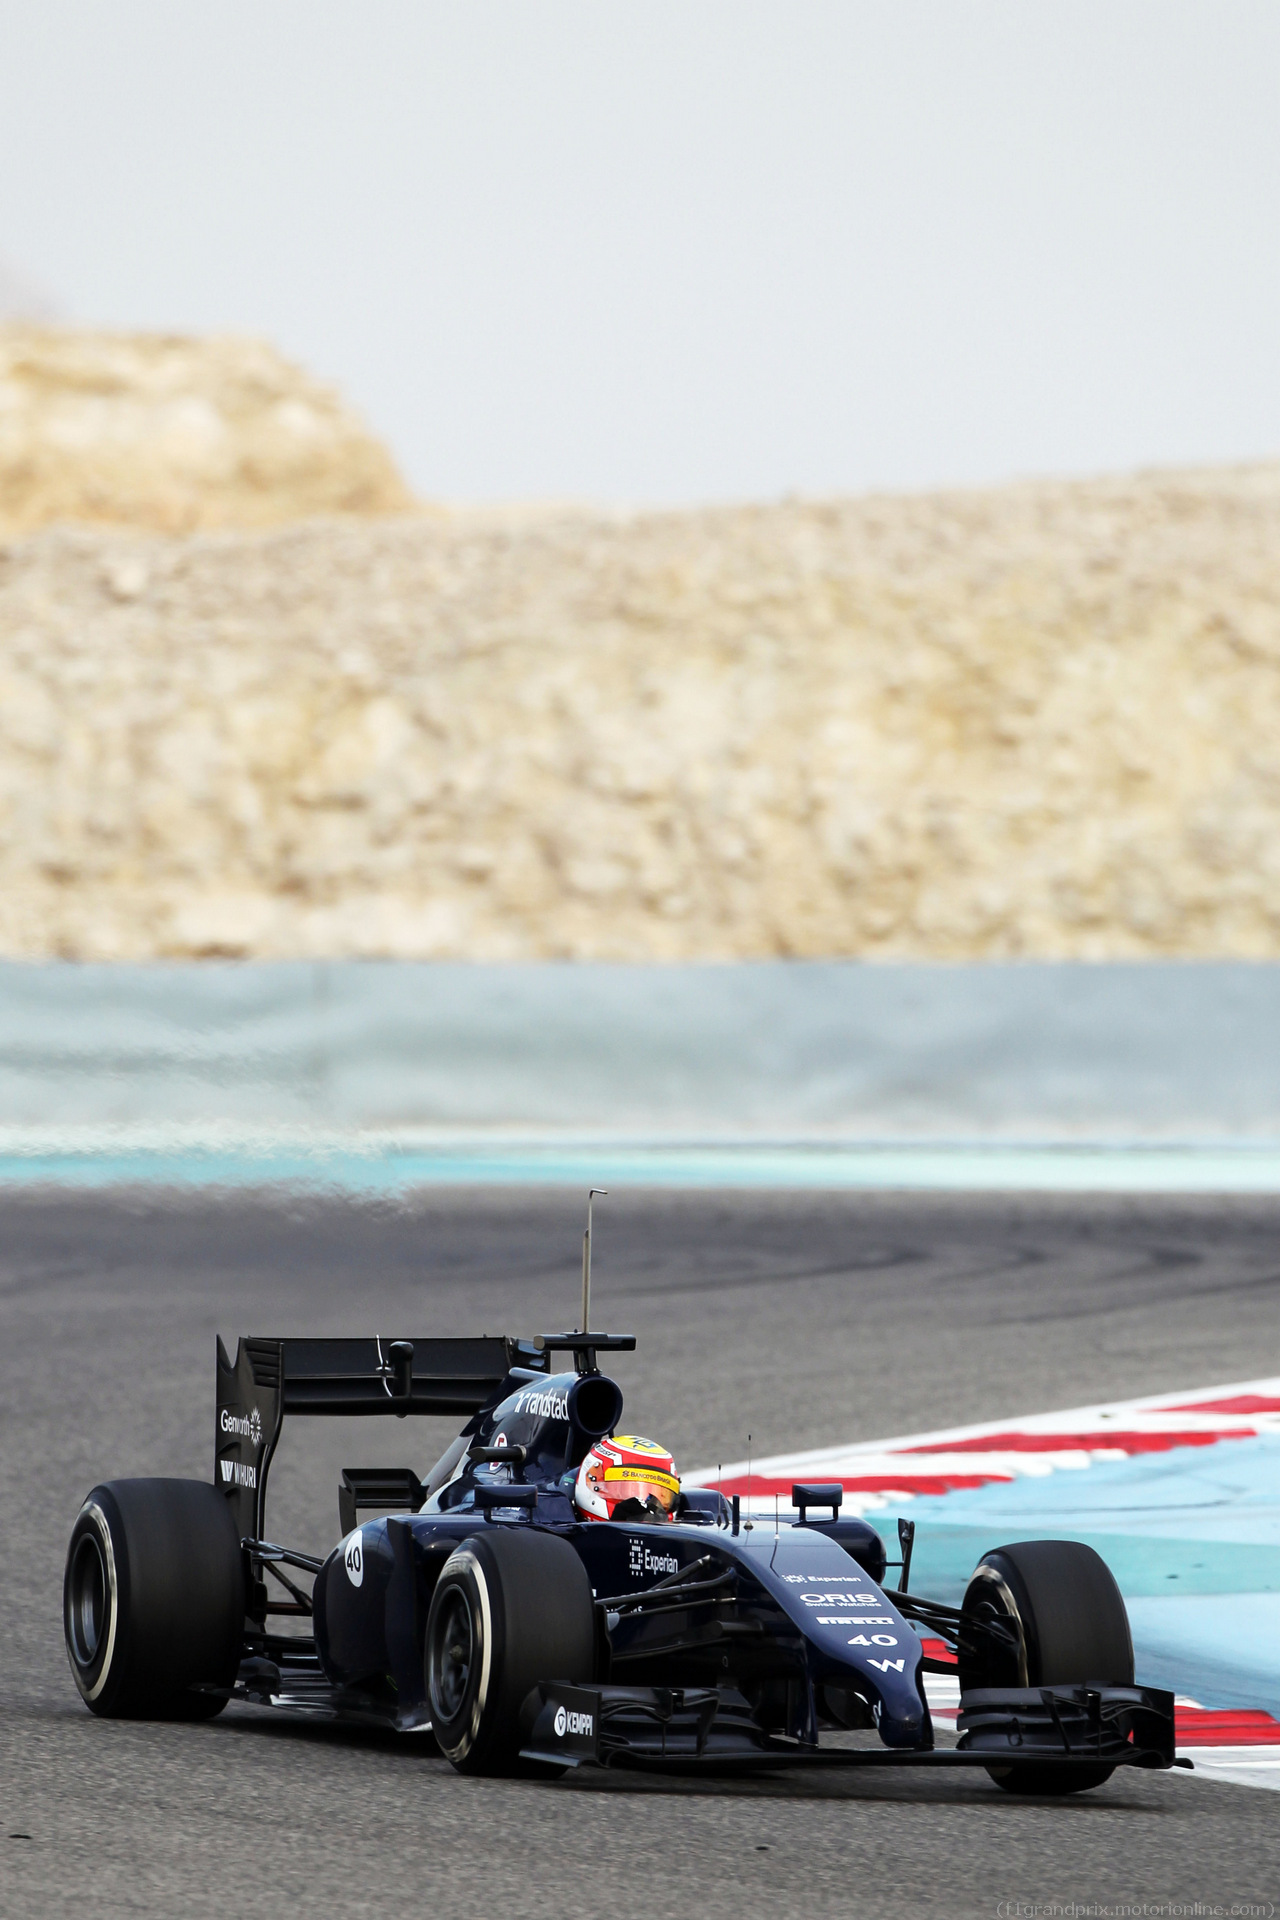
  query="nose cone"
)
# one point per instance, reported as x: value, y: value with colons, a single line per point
x: 903, y: 1720
x: 849, y: 1622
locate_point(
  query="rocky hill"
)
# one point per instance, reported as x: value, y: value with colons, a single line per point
x: 1040, y: 720
x: 173, y: 434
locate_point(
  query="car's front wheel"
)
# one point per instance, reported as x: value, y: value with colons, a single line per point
x: 512, y: 1607
x: 1070, y: 1625
x: 153, y: 1600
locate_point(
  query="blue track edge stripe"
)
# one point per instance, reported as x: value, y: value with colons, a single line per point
x: 387, y: 1163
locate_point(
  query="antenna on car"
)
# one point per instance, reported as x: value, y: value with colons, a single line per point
x: 603, y: 1192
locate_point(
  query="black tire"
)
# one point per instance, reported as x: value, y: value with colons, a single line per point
x: 512, y: 1607
x: 1073, y: 1627
x: 153, y: 1599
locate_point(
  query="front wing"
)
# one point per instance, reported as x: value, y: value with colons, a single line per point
x: 713, y: 1727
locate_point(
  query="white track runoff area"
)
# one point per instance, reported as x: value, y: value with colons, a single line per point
x: 1179, y: 1492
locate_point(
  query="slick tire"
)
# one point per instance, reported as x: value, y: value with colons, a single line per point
x: 153, y: 1600
x: 512, y: 1607
x: 1073, y: 1627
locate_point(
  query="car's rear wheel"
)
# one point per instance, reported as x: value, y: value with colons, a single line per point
x: 1071, y: 1623
x: 512, y: 1607
x: 153, y: 1600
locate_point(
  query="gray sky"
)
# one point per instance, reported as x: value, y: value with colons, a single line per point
x: 677, y: 252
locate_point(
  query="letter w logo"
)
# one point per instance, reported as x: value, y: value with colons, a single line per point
x: 228, y: 1468
x: 884, y: 1665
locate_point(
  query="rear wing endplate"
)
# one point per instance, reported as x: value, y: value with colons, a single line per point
x: 270, y: 1378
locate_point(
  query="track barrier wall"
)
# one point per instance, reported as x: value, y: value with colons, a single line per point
x: 821, y: 1050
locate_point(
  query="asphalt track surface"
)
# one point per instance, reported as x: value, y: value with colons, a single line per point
x: 801, y: 1319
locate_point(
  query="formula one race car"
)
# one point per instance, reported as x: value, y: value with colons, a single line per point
x: 549, y: 1596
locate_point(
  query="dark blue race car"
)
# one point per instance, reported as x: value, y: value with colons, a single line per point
x: 479, y: 1606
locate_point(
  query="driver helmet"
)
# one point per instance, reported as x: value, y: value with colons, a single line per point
x: 627, y: 1478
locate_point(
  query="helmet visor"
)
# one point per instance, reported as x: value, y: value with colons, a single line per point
x: 641, y: 1483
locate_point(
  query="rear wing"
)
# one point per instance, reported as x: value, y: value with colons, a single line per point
x: 270, y: 1378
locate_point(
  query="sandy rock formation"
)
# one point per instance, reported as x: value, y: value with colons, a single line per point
x: 175, y: 434
x: 1041, y: 720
